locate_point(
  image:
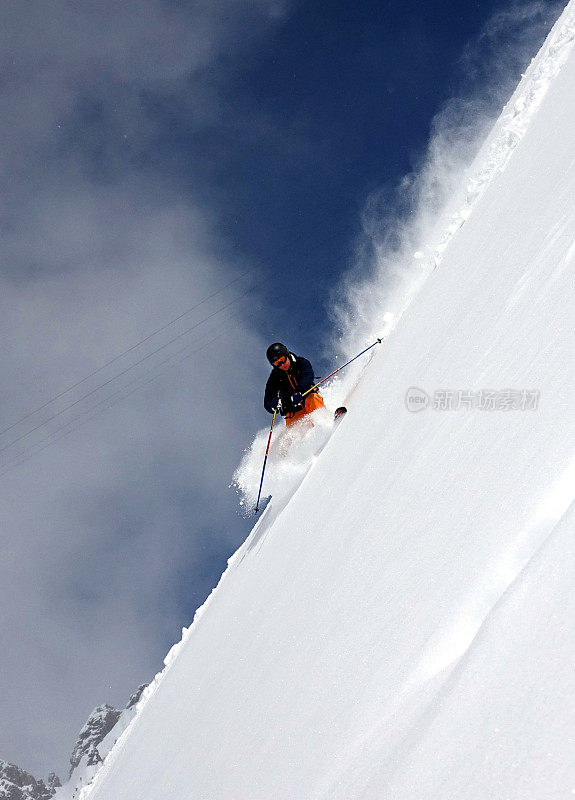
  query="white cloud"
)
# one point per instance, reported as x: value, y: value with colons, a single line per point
x: 95, y: 254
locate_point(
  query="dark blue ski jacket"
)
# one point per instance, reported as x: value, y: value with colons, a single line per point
x: 298, y: 378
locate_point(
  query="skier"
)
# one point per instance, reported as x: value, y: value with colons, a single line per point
x: 291, y: 377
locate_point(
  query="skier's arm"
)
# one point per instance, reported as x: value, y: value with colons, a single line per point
x: 307, y: 379
x: 271, y: 395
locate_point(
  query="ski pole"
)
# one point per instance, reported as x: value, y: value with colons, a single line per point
x: 265, y: 461
x: 331, y: 374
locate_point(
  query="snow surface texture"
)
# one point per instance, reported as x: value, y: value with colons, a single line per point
x: 401, y: 626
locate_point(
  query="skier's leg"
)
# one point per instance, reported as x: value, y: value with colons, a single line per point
x: 312, y: 402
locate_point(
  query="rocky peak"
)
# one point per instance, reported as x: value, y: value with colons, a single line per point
x: 99, y: 724
x: 135, y: 698
x: 92, y: 747
x: 17, y: 784
x: 101, y: 721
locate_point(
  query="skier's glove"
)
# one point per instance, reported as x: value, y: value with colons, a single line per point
x: 297, y: 399
x: 277, y: 405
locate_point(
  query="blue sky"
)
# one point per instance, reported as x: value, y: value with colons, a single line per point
x: 155, y: 153
x: 333, y: 105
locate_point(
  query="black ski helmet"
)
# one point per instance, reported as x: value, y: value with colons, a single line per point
x: 275, y: 351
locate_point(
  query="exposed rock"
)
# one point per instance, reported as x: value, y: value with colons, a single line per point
x: 93, y: 745
x: 136, y: 696
x: 99, y: 724
x: 104, y: 726
x: 53, y: 781
x: 17, y: 784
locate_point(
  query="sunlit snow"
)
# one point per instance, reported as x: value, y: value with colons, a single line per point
x: 399, y: 623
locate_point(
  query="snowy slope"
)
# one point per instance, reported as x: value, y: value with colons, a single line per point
x: 402, y: 628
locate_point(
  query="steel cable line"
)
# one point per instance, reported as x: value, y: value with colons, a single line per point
x: 120, y: 374
x: 108, y: 402
x: 281, y: 250
x: 125, y: 352
x: 49, y: 440
x: 121, y: 394
x: 26, y: 416
x: 66, y: 430
x: 133, y: 347
x: 138, y: 383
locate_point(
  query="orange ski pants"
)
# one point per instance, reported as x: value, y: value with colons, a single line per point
x: 312, y: 402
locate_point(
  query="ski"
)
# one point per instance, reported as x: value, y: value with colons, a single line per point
x: 339, y: 413
x: 263, y: 504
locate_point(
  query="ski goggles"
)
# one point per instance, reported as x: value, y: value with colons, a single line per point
x: 280, y: 362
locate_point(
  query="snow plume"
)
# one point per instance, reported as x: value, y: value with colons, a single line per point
x: 405, y: 228
x: 292, y: 453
